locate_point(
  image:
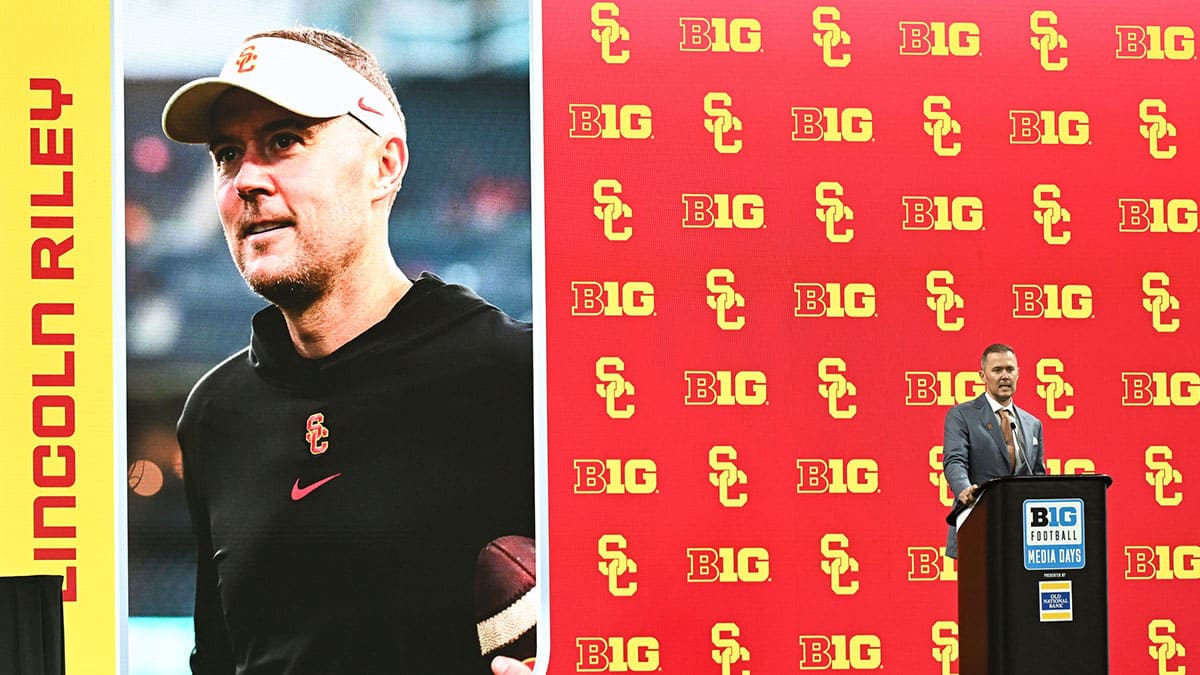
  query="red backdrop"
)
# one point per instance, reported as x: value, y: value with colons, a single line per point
x: 778, y: 236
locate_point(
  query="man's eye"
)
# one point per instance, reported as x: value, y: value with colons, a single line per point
x: 284, y: 141
x: 224, y: 155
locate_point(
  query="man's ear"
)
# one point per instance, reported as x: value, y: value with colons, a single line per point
x: 393, y: 162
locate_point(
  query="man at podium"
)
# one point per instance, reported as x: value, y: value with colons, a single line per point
x: 990, y: 437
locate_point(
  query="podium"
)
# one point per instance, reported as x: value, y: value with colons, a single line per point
x: 1033, y: 578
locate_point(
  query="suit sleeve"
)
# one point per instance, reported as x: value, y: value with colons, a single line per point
x: 955, y: 451
x: 1039, y: 466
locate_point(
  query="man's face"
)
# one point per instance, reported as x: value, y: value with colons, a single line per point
x: 1000, y: 375
x: 294, y: 194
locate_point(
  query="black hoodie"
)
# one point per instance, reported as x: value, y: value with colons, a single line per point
x: 339, y: 504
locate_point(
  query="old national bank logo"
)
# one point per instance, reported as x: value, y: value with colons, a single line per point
x: 838, y: 564
x: 615, y: 565
x: 1052, y: 301
x: 1159, y: 301
x: 1155, y: 128
x: 636, y: 654
x: 943, y: 300
x: 833, y: 125
x: 700, y: 34
x: 1049, y: 127
x: 834, y: 300
x: 610, y: 208
x: 637, y: 476
x: 940, y: 125
x: 831, y: 211
x: 942, y: 387
x: 720, y: 122
x: 939, y: 38
x: 725, y: 387
x: 942, y: 213
x: 727, y: 651
x: 612, y: 298
x: 1162, y: 562
x: 841, y: 652
x: 1160, y: 389
x: 1053, y: 388
x: 1050, y: 214
x: 830, y: 37
x: 937, y: 478
x: 723, y: 211
x: 613, y: 387
x: 726, y: 564
x: 727, y: 477
x: 837, y: 476
x: 1162, y: 476
x: 945, y: 645
x: 1046, y: 39
x: 929, y: 563
x: 835, y: 387
x: 1157, y: 215
x: 1173, y: 43
x: 611, y: 121
x: 1164, y: 648
x: 609, y: 32
x: 723, y: 299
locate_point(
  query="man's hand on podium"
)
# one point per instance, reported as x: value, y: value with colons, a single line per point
x: 502, y: 665
x: 968, y: 494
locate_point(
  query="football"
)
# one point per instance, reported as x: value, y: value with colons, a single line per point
x: 507, y: 598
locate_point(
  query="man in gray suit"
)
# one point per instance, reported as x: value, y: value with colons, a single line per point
x: 990, y: 437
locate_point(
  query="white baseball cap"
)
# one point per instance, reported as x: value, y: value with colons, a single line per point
x: 304, y: 79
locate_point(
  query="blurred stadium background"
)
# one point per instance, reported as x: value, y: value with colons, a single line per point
x: 460, y: 69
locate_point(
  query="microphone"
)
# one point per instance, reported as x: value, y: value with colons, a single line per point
x: 1020, y: 449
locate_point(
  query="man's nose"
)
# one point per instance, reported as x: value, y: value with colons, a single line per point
x: 253, y: 177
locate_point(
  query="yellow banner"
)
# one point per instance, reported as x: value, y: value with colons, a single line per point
x: 59, y: 504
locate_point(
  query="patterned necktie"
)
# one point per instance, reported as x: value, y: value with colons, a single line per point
x: 1007, y: 432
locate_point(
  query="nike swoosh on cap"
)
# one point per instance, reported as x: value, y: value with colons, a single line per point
x: 299, y: 493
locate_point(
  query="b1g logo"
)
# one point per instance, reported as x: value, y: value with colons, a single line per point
x: 937, y: 38
x: 614, y: 565
x: 1052, y: 387
x: 1155, y: 128
x: 835, y: 387
x: 726, y: 476
x: 727, y: 650
x: 723, y: 211
x: 1164, y: 648
x: 720, y: 34
x: 608, y: 32
x: 612, y: 298
x: 1049, y: 213
x: 1174, y: 43
x: 837, y: 476
x: 943, y: 300
x: 613, y: 387
x: 940, y: 125
x: 1051, y: 301
x: 835, y: 300
x: 829, y: 36
x: 638, y: 654
x: 852, y: 125
x: 1158, y: 215
x: 720, y: 122
x: 838, y: 563
x: 1159, y: 301
x: 615, y: 476
x: 1160, y: 389
x: 725, y: 387
x: 611, y: 121
x: 723, y: 299
x: 1073, y: 466
x: 831, y: 211
x: 942, y: 387
x: 1053, y: 532
x: 1046, y: 39
x: 945, y: 645
x: 841, y: 652
x: 942, y: 213
x: 610, y: 208
x: 751, y: 564
x: 1163, y: 477
x: 1145, y: 563
x: 1048, y: 127
x: 929, y: 563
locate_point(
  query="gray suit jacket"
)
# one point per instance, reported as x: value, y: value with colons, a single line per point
x: 973, y: 450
